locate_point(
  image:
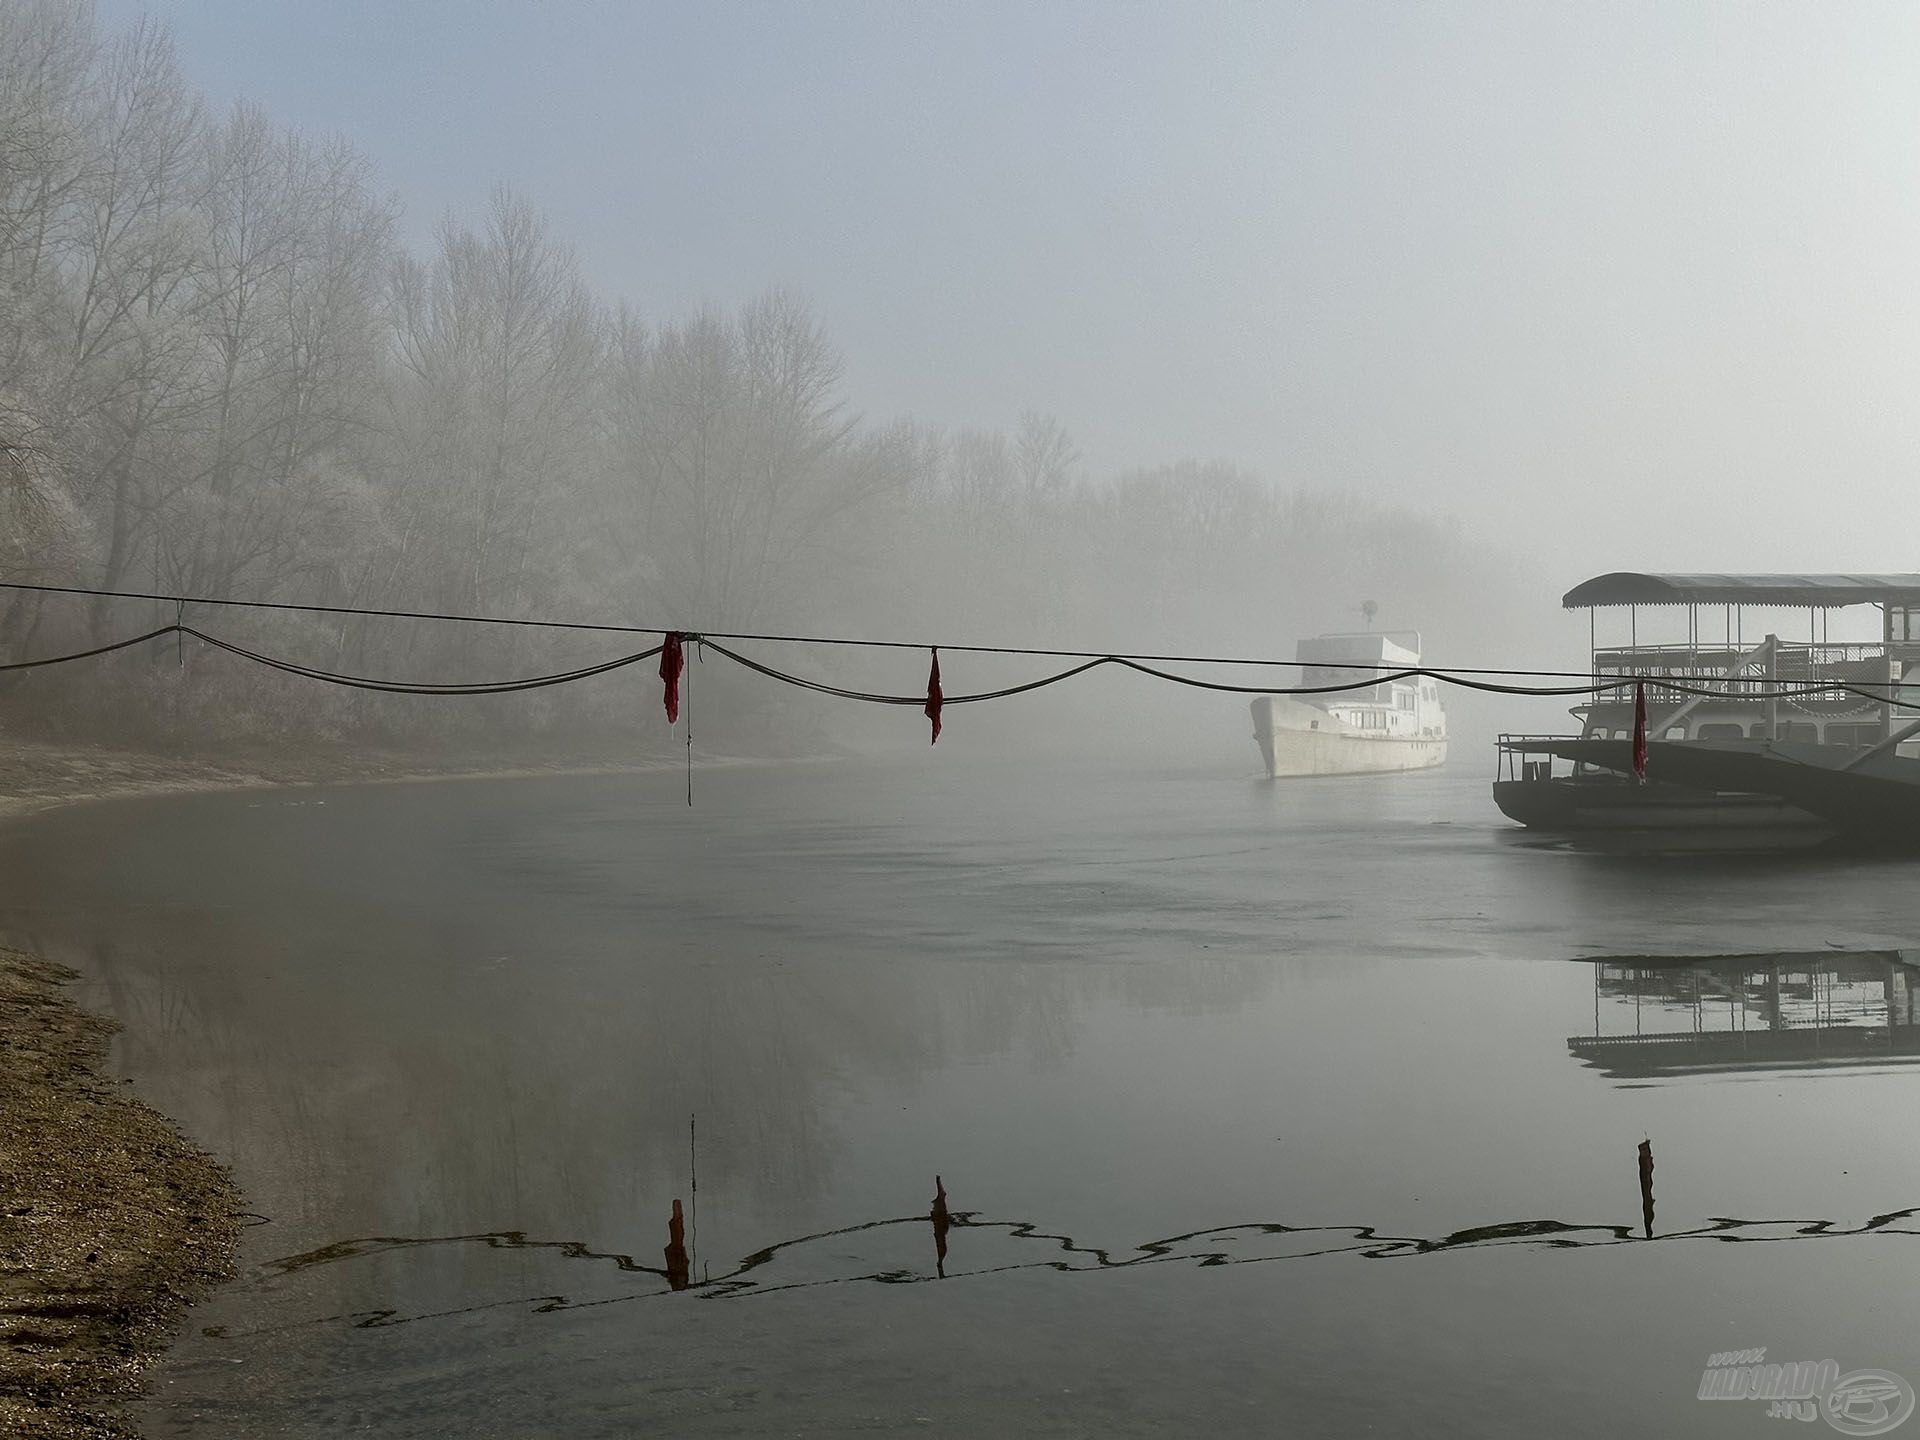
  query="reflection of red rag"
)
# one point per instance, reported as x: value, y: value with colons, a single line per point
x: 1646, y: 1185
x: 672, y: 662
x: 1639, y: 731
x: 679, y: 1270
x: 934, y: 698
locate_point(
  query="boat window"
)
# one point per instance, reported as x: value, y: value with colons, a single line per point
x: 1675, y: 732
x: 1803, y: 731
x: 1723, y: 730
x: 1853, y: 734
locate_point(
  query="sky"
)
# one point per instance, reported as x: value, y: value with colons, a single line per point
x: 1621, y: 286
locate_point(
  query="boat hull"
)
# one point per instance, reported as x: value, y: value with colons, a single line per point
x: 1608, y: 805
x: 1292, y: 751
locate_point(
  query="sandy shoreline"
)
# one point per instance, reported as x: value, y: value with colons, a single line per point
x: 112, y: 1222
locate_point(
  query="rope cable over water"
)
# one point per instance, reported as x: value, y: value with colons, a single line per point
x: 535, y: 682
x: 89, y: 654
x: 1469, y: 678
x: 847, y: 641
x: 482, y: 687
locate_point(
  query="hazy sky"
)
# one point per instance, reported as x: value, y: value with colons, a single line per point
x: 1635, y: 286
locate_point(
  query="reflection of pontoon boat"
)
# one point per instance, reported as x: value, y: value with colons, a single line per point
x: 1394, y: 725
x: 1732, y: 759
x: 1665, y: 1015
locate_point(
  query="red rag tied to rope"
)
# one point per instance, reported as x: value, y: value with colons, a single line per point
x: 672, y: 662
x: 1640, y: 732
x: 934, y: 698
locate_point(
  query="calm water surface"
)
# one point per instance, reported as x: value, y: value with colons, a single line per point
x: 1260, y: 1109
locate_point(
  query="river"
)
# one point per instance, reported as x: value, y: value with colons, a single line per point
x: 1258, y: 1108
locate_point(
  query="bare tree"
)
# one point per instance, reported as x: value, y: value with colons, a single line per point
x: 1043, y: 455
x: 736, y: 460
x: 129, y: 332
x: 500, y: 350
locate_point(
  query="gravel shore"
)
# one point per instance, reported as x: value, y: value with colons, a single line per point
x: 111, y: 1221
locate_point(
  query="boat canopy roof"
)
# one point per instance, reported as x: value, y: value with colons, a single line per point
x: 1629, y: 587
x: 1370, y: 648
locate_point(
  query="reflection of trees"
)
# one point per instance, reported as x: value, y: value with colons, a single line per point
x: 481, y: 1057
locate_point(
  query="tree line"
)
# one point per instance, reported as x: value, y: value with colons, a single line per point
x: 221, y: 373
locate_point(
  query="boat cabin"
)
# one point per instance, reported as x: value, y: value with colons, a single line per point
x: 1744, y: 635
x: 1400, y: 709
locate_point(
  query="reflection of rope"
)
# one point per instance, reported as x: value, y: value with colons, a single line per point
x: 1211, y: 1248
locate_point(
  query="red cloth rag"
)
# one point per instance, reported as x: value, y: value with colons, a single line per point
x: 672, y: 662
x: 934, y: 698
x: 1639, y: 731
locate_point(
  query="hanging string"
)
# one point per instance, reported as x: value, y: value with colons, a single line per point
x: 699, y: 653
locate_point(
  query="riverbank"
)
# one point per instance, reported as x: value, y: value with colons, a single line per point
x: 111, y: 1221
x: 36, y: 775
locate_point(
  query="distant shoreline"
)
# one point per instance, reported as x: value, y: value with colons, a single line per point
x: 36, y: 776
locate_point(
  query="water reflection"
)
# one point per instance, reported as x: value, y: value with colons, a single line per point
x: 942, y: 1222
x: 476, y: 1022
x: 822, y: 1259
x: 1665, y: 1015
x: 410, y: 1002
x: 679, y: 1268
x: 1646, y: 1188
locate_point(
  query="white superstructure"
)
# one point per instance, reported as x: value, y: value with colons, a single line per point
x: 1389, y: 725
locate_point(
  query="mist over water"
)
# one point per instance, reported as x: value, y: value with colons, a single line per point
x: 1064, y: 1077
x: 1233, y: 1088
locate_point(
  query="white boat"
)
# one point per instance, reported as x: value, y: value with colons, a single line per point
x: 1391, y: 725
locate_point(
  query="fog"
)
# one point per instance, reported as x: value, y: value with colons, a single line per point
x: 354, y: 352
x: 1168, y: 329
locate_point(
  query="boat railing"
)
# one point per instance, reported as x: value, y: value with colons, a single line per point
x: 1525, y: 757
x: 1861, y: 662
